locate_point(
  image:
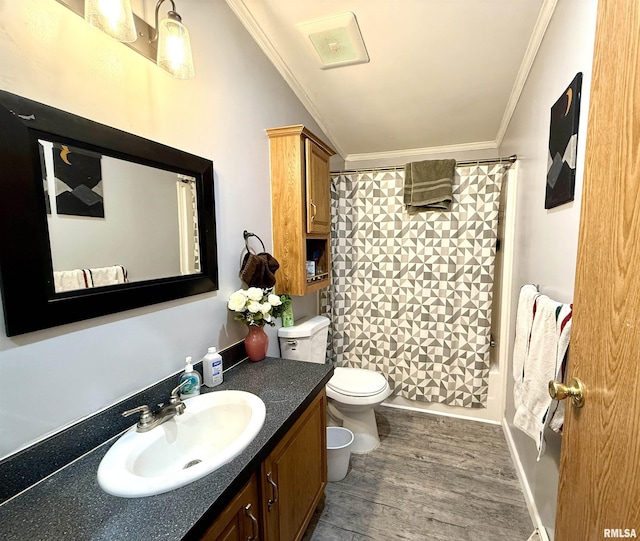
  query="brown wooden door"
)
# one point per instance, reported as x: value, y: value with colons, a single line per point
x: 294, y: 476
x: 600, y: 462
x: 239, y: 520
x: 318, y: 189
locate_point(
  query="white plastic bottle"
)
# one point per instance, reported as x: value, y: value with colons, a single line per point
x: 212, y: 368
x: 192, y: 388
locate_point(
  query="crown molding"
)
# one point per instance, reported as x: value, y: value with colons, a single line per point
x: 392, y: 154
x: 544, y: 18
x: 251, y: 25
x: 539, y: 30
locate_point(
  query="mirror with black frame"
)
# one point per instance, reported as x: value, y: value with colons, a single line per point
x: 94, y: 220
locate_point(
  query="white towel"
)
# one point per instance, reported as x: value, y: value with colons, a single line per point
x: 524, y: 320
x: 541, y: 365
x: 556, y: 412
x: 108, y: 276
x: 69, y: 280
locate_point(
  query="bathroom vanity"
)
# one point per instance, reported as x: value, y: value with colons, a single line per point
x: 291, y: 483
x: 269, y: 491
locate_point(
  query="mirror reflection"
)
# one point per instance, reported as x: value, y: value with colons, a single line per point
x: 112, y: 221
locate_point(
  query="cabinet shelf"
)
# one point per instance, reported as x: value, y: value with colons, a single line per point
x: 317, y: 277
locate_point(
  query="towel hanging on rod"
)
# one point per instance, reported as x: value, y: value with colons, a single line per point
x: 258, y: 270
x: 543, y: 332
x: 428, y: 185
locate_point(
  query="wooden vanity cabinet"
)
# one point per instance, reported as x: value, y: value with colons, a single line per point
x: 301, y: 208
x: 240, y: 519
x: 279, y: 506
x: 294, y: 475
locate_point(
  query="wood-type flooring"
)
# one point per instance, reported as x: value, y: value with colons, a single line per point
x: 432, y: 478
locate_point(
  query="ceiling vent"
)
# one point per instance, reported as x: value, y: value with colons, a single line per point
x: 335, y: 41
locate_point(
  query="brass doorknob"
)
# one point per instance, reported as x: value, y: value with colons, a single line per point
x: 575, y: 391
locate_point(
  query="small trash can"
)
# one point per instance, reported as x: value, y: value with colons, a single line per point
x: 339, y: 442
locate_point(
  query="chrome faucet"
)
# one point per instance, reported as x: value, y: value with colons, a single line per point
x: 149, y: 420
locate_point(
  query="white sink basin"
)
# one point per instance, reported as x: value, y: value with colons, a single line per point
x: 214, y: 429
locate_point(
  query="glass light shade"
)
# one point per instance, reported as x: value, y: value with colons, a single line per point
x: 113, y: 17
x: 174, y: 49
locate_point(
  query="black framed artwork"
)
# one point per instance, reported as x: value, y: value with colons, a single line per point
x: 563, y: 145
x: 78, y: 175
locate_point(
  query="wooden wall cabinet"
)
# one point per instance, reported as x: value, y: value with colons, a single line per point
x: 280, y: 505
x: 301, y: 208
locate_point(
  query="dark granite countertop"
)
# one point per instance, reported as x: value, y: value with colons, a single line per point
x: 71, y: 505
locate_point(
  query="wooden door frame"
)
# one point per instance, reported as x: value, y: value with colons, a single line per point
x: 600, y: 459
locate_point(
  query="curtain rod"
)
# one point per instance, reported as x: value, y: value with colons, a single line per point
x: 464, y: 163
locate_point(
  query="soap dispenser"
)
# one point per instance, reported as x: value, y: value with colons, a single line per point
x: 192, y: 388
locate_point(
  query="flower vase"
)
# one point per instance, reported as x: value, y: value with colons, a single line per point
x: 256, y: 343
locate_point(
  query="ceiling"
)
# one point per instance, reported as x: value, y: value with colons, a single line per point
x: 443, y: 74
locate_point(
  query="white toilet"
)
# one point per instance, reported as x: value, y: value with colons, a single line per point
x: 352, y: 392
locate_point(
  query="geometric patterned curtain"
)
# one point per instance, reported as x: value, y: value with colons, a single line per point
x: 410, y: 296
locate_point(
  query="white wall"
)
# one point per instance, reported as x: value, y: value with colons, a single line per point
x: 47, y: 53
x: 546, y: 240
x: 139, y: 229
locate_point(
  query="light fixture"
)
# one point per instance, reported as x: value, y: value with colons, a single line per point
x: 167, y: 44
x: 174, y: 46
x: 114, y: 17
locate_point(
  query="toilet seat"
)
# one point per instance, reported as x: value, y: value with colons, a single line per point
x: 357, y: 382
x: 358, y: 387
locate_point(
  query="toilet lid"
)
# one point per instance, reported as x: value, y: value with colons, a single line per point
x: 357, y: 382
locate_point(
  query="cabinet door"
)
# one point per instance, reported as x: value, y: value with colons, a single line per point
x: 239, y: 520
x: 294, y: 476
x: 318, y: 189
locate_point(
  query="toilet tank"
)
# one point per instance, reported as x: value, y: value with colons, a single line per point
x: 306, y: 341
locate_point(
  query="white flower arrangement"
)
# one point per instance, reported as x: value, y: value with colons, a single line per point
x: 255, y: 306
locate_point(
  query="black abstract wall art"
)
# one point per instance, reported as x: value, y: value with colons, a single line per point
x: 563, y: 145
x: 78, y: 176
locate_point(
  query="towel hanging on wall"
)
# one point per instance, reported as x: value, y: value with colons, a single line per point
x: 428, y: 185
x: 258, y: 270
x: 70, y: 280
x: 546, y: 336
x: 524, y: 320
x: 88, y: 278
x: 108, y: 276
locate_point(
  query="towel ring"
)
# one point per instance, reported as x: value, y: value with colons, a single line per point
x: 246, y: 234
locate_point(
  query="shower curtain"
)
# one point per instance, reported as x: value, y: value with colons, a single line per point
x: 410, y: 296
